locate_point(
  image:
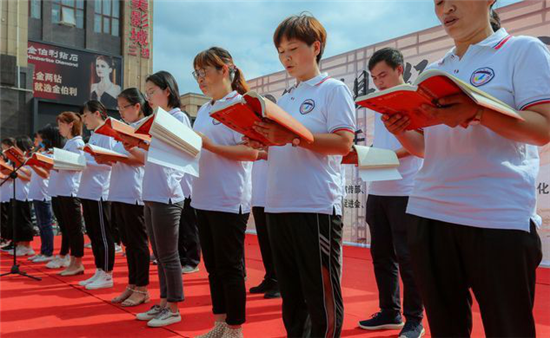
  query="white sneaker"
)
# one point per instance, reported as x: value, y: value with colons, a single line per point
x: 88, y: 245
x: 23, y: 251
x: 164, y: 318
x: 103, y: 281
x: 150, y: 314
x: 91, y: 279
x: 187, y: 269
x: 42, y: 259
x: 55, y: 263
x: 118, y: 248
x: 32, y: 258
x: 66, y: 261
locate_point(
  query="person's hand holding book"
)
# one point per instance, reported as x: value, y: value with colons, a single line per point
x: 276, y: 134
x: 455, y: 110
x: 396, y: 124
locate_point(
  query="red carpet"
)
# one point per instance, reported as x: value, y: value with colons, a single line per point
x: 58, y: 307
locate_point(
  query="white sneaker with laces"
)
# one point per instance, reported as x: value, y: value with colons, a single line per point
x: 164, y: 318
x: 91, y: 279
x: 55, y: 263
x: 103, y: 281
x: 150, y: 314
x: 23, y: 251
x: 32, y: 258
x: 43, y: 259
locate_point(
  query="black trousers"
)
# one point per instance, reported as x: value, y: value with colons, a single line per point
x: 388, y: 223
x: 260, y: 220
x: 97, y: 217
x: 5, y: 225
x: 23, y: 221
x: 499, y: 266
x: 133, y: 235
x: 58, y: 213
x: 307, y: 251
x: 189, y: 247
x: 222, y: 241
x: 72, y: 218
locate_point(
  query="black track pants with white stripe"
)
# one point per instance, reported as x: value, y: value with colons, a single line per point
x: 307, y: 251
x: 97, y: 217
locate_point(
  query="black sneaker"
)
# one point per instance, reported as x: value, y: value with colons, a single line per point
x: 412, y: 330
x: 273, y: 293
x: 382, y: 321
x: 264, y: 286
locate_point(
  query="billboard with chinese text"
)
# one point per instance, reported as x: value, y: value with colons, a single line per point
x: 72, y: 76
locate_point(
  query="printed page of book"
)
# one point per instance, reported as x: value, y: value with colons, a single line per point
x: 165, y: 155
x: 93, y: 149
x: 67, y: 160
x: 170, y: 130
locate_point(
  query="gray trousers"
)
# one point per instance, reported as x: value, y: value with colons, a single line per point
x: 162, y: 222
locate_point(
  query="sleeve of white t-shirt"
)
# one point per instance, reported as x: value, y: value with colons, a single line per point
x: 531, y: 74
x: 340, y: 109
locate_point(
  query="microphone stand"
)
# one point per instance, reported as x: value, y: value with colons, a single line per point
x: 15, y: 267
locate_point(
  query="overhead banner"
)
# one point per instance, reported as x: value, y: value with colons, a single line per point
x: 72, y: 76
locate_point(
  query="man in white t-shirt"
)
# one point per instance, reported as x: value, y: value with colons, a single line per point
x: 387, y: 219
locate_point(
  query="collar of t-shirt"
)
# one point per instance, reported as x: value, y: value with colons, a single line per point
x: 315, y: 81
x: 494, y: 41
x: 227, y: 97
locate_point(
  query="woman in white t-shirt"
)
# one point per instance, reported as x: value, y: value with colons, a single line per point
x: 125, y: 195
x: 221, y: 193
x: 304, y: 183
x: 66, y: 188
x: 474, y: 200
x: 93, y: 192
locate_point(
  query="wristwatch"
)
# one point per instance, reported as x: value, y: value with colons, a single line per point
x: 296, y: 141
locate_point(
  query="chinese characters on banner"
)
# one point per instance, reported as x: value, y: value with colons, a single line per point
x: 139, y: 29
x: 67, y: 75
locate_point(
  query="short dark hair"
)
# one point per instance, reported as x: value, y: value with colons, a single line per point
x: 392, y: 56
x: 92, y: 106
x: 23, y: 142
x: 304, y: 27
x: 134, y: 96
x: 165, y: 80
x: 51, y: 137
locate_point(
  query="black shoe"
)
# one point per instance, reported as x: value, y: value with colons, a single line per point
x: 382, y: 321
x: 273, y: 293
x: 412, y: 330
x: 264, y: 286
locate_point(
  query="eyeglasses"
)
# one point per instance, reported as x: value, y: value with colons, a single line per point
x: 123, y: 107
x: 151, y: 93
x: 197, y: 74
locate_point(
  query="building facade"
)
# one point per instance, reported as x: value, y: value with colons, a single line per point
x: 57, y: 54
x: 191, y: 103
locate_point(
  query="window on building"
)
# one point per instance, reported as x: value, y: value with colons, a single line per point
x: 35, y: 9
x: 69, y: 12
x: 107, y: 17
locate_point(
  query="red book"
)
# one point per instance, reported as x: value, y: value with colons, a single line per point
x: 40, y: 160
x: 115, y: 128
x: 428, y: 88
x: 241, y: 116
x: 15, y: 155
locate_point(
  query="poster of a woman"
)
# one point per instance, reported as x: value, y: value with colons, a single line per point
x: 104, y: 87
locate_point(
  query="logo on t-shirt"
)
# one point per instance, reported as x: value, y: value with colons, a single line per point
x: 307, y: 106
x: 482, y: 76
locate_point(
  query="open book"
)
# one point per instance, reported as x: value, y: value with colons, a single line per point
x: 67, y: 160
x: 166, y: 128
x: 115, y: 128
x: 40, y: 160
x: 110, y: 155
x: 429, y: 87
x: 374, y: 164
x: 242, y: 114
x: 15, y: 155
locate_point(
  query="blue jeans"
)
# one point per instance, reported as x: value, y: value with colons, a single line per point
x: 44, y: 220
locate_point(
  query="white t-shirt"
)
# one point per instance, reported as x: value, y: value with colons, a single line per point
x: 126, y: 180
x: 187, y: 185
x: 259, y: 183
x: 223, y: 185
x: 94, y: 183
x: 22, y: 187
x: 474, y: 176
x: 163, y: 184
x: 67, y: 181
x: 38, y: 188
x: 408, y: 167
x: 300, y: 180
x: 52, y: 183
x: 6, y: 191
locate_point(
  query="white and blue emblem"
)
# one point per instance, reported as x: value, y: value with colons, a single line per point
x: 307, y: 106
x: 482, y: 76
